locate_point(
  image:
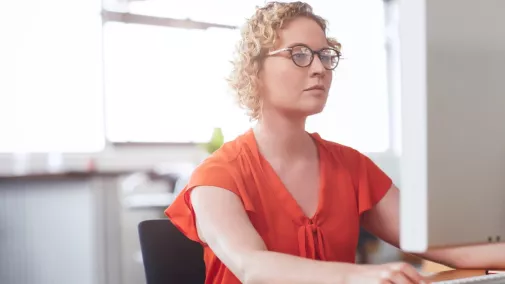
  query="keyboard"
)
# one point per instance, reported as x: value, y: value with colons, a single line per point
x: 484, y: 279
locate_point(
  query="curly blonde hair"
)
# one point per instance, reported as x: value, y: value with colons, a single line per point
x: 258, y: 36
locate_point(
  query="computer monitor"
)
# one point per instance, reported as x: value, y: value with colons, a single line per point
x: 453, y: 123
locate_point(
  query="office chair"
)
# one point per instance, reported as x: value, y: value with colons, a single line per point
x: 168, y: 255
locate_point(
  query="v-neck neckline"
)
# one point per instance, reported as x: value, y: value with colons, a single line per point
x: 283, y: 194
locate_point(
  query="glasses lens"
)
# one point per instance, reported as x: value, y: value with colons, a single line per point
x: 301, y: 55
x: 329, y: 58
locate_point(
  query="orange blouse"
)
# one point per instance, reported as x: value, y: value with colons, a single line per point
x: 350, y: 185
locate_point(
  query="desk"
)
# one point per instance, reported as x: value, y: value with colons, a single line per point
x: 455, y: 274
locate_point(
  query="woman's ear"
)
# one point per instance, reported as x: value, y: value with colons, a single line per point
x: 259, y: 81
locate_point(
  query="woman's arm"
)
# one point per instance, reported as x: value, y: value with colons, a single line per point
x: 383, y: 221
x: 223, y: 224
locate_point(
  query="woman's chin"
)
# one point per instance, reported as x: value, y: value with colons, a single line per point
x: 312, y: 110
x: 306, y: 109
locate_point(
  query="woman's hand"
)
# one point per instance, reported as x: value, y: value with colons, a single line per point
x: 391, y: 273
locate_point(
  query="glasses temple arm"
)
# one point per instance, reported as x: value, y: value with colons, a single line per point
x: 279, y: 51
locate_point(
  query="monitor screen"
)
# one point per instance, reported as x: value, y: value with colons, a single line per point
x: 453, y: 123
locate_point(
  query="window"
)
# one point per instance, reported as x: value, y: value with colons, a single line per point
x: 51, y: 88
x: 394, y: 73
x: 357, y: 112
x: 157, y: 92
x: 51, y: 98
x: 167, y: 84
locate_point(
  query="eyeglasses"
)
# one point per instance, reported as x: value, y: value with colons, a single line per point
x: 303, y: 56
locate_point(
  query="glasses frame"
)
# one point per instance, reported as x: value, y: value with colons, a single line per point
x: 318, y: 52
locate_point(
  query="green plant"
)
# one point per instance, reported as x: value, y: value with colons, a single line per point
x: 215, y: 142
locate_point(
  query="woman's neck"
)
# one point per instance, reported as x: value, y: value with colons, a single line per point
x: 280, y: 137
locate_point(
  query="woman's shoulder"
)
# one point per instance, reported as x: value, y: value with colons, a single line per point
x: 229, y: 155
x: 370, y: 182
x: 337, y: 150
x: 346, y: 156
x: 225, y: 168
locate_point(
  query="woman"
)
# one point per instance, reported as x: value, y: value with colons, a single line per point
x: 280, y: 205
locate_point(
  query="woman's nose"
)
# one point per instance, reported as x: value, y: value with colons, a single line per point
x: 317, y: 67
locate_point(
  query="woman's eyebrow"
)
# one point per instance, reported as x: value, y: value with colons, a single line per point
x: 298, y: 43
x: 304, y: 44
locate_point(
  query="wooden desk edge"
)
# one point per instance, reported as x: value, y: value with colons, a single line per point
x: 455, y: 274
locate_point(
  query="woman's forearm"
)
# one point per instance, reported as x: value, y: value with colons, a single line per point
x: 276, y: 268
x: 487, y: 256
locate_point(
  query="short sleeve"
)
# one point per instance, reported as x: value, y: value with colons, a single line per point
x: 209, y: 173
x: 371, y: 183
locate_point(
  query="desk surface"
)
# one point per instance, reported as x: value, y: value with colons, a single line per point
x: 455, y: 274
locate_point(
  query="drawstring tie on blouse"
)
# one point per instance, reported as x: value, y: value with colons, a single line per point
x: 310, y: 241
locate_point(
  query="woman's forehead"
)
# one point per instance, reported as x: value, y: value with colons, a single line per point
x: 302, y: 31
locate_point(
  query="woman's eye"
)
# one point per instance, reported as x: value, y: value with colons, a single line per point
x: 299, y: 55
x: 326, y: 59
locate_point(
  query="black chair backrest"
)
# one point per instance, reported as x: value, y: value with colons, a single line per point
x: 168, y: 255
